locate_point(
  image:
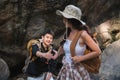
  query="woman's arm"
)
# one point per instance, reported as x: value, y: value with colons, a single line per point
x: 59, y: 52
x: 92, y: 45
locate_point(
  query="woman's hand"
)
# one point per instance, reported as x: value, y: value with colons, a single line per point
x: 55, y: 55
x: 76, y: 59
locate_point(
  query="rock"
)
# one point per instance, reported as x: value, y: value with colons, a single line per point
x: 108, y: 32
x: 104, y: 34
x: 110, y: 67
x: 20, y: 79
x: 115, y: 29
x: 4, y: 70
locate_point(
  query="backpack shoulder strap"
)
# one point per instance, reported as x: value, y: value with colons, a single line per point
x: 73, y: 44
x: 39, y: 43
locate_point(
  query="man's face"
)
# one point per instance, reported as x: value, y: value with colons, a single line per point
x: 47, y: 39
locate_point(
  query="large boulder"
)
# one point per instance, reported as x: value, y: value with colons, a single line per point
x: 110, y: 67
x: 110, y: 63
x: 4, y: 70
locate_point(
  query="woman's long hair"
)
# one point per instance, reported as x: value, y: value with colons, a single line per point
x: 76, y: 25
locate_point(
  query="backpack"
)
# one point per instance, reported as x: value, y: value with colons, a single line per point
x: 92, y: 65
x: 30, y: 57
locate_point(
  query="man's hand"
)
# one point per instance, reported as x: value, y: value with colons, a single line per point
x: 47, y: 55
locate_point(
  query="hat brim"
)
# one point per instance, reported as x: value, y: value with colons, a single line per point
x: 60, y: 13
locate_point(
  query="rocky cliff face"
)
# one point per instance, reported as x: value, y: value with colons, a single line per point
x: 22, y: 20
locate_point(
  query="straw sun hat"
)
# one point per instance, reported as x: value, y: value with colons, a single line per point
x: 71, y: 11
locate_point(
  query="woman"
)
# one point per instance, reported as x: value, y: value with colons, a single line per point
x: 73, y: 23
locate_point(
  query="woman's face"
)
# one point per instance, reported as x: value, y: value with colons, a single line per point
x: 65, y: 21
x: 47, y: 39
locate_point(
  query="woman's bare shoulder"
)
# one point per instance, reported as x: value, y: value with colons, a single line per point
x: 84, y: 33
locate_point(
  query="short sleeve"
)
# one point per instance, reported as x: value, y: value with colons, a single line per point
x: 35, y: 48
